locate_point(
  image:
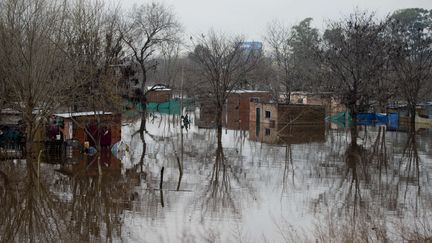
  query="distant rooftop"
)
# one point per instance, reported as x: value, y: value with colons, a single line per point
x: 86, y: 113
x: 241, y: 91
x: 158, y: 87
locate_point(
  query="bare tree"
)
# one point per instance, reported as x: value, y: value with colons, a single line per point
x: 222, y: 62
x: 262, y: 77
x: 3, y: 91
x: 169, y: 65
x: 32, y: 64
x: 294, y: 52
x: 278, y: 37
x: 354, y: 54
x: 93, y: 48
x: 147, y: 27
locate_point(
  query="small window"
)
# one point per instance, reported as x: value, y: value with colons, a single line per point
x: 254, y: 99
x: 267, y: 131
x: 267, y: 114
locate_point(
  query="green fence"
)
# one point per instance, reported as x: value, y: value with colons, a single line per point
x: 170, y: 107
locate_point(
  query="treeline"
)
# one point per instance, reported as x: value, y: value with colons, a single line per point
x: 82, y: 55
x: 365, y: 61
x: 71, y: 55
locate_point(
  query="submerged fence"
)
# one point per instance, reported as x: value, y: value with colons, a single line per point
x: 47, y: 151
x: 10, y: 151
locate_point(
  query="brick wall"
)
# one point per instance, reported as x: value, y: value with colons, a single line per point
x: 159, y: 96
x: 112, y: 121
x: 307, y: 124
x: 237, y: 109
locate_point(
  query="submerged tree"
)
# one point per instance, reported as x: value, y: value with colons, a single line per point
x: 34, y: 212
x: 148, y: 28
x: 94, y: 48
x: 410, y: 33
x: 222, y: 63
x: 355, y: 57
x: 32, y: 64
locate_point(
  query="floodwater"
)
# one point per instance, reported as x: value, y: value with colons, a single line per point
x: 328, y: 188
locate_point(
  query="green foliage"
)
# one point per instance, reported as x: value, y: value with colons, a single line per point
x: 410, y: 32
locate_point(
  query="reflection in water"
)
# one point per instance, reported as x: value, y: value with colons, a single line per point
x: 73, y: 205
x: 218, y: 196
x: 410, y: 162
x: 288, y: 163
x: 290, y: 134
x: 356, y: 185
x: 356, y: 170
x: 30, y: 210
x: 379, y: 195
x: 96, y: 208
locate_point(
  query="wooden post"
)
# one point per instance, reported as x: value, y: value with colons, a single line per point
x: 160, y: 186
x: 161, y: 180
x: 38, y: 163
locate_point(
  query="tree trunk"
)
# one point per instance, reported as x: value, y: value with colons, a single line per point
x: 143, y: 123
x: 353, y: 110
x: 412, y: 113
x: 143, y: 101
x: 354, y: 135
x: 219, y: 124
x: 29, y: 137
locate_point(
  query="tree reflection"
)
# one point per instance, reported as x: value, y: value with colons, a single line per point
x: 31, y: 212
x: 98, y: 196
x: 218, y: 195
x: 378, y: 152
x: 95, y: 211
x: 355, y: 215
x: 227, y: 188
x: 356, y: 169
x: 287, y: 163
x: 375, y: 181
x: 80, y: 204
x: 410, y: 162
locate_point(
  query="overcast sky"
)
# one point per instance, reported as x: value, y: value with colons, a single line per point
x: 250, y: 18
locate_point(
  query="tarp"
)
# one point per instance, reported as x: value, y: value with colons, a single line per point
x: 10, y: 135
x: 339, y: 117
x: 170, y: 107
x: 381, y: 118
x: 371, y: 119
x: 368, y: 119
x: 365, y: 119
x: 393, y: 120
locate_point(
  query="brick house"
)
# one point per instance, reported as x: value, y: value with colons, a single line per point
x: 286, y: 123
x: 160, y: 94
x: 236, y: 111
x: 75, y: 125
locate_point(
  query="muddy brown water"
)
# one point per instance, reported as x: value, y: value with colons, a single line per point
x: 327, y: 188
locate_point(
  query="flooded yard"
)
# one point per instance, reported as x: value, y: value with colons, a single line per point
x: 246, y: 188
